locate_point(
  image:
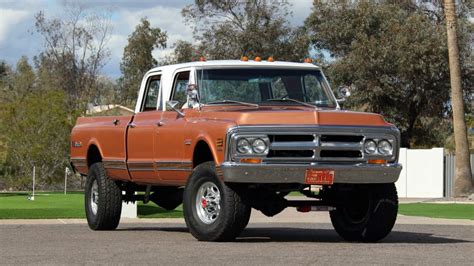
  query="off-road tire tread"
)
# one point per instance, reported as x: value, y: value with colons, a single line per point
x: 110, y: 200
x: 232, y: 224
x: 381, y: 220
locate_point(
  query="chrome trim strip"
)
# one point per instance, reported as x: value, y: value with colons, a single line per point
x: 141, y: 169
x: 175, y: 169
x: 115, y: 168
x: 113, y: 161
x: 175, y: 162
x: 293, y: 146
x: 186, y: 166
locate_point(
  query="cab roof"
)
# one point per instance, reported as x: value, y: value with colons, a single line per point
x: 235, y: 63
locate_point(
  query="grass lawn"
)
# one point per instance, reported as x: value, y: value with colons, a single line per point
x: 52, y: 205
x: 438, y: 210
x: 46, y: 205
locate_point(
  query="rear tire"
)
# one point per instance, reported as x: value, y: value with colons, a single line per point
x: 103, y: 199
x: 368, y: 213
x: 212, y: 210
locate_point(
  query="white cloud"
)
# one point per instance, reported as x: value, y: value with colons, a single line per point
x: 167, y: 18
x: 17, y: 25
x: 8, y: 19
x: 301, y: 10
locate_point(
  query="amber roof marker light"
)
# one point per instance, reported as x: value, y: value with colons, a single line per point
x: 308, y: 60
x: 258, y: 59
x: 202, y: 59
x: 244, y: 58
x: 270, y: 59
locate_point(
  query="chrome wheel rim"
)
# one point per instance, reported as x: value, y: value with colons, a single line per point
x: 94, y: 200
x: 208, y: 199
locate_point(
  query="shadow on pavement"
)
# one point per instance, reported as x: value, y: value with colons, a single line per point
x: 330, y: 236
x: 279, y: 234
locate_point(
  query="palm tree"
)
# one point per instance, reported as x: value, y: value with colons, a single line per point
x: 463, y: 179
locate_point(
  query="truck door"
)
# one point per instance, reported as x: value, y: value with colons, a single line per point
x: 141, y: 134
x: 172, y: 167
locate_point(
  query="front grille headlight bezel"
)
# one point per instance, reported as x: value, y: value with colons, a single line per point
x: 379, y: 153
x: 253, y: 140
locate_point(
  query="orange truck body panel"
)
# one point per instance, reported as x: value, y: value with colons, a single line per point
x: 136, y: 153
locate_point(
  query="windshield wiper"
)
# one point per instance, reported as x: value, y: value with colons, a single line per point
x: 286, y: 99
x: 237, y: 102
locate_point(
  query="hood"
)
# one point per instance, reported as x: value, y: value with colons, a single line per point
x: 294, y: 116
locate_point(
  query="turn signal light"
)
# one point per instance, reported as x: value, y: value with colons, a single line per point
x: 258, y: 59
x: 244, y: 58
x: 251, y: 160
x: 378, y: 161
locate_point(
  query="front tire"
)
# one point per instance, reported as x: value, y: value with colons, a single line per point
x: 103, y: 199
x: 367, y: 214
x: 212, y: 210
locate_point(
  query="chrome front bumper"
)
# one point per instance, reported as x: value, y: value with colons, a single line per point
x: 292, y: 173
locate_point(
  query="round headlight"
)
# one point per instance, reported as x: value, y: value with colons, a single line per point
x: 259, y: 146
x: 385, y: 147
x: 370, y: 146
x: 243, y: 146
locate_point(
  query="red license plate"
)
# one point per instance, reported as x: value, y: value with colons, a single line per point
x: 319, y: 177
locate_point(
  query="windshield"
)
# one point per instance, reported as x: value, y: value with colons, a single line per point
x: 264, y: 86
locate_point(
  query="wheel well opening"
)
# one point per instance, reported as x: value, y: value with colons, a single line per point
x: 202, y: 153
x: 93, y: 155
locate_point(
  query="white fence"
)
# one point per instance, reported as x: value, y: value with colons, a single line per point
x: 423, y: 173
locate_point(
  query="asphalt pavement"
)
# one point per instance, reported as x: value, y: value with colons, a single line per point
x: 290, y: 238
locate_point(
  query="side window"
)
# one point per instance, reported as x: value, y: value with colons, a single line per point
x: 180, y: 84
x: 151, y: 95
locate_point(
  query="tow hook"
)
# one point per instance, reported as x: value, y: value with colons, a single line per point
x: 315, y: 208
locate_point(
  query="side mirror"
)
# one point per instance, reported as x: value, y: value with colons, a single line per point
x: 173, y: 106
x: 192, y: 94
x: 343, y: 92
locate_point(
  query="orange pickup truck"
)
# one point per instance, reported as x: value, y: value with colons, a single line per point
x: 223, y: 137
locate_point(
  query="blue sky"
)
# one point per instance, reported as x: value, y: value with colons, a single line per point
x: 17, y: 35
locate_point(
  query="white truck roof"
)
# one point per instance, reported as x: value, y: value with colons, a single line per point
x: 234, y: 63
x: 167, y: 72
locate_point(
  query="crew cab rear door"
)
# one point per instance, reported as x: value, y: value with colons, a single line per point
x: 141, y: 144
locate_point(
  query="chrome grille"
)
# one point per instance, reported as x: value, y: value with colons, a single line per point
x: 313, y: 144
x: 315, y: 147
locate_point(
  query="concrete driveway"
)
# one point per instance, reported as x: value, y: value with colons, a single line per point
x: 288, y: 238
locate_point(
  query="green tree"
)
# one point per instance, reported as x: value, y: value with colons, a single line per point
x: 138, y: 59
x: 395, y: 56
x: 230, y: 29
x: 34, y: 123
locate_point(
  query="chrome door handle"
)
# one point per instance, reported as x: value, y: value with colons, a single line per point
x: 115, y: 121
x: 132, y: 125
x: 160, y: 124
